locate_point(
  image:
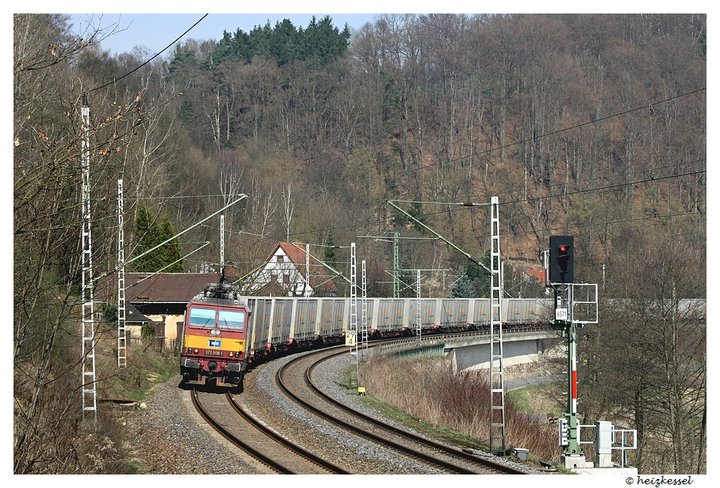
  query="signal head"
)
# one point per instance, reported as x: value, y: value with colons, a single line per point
x: 561, y: 259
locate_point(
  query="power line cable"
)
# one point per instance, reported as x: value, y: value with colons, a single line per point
x: 146, y: 62
x: 589, y: 190
x: 620, y: 221
x: 617, y: 176
x: 577, y: 126
x: 608, y: 187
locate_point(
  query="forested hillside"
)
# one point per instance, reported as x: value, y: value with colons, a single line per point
x: 587, y: 125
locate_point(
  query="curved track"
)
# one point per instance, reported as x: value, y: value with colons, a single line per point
x: 232, y: 420
x: 309, y: 396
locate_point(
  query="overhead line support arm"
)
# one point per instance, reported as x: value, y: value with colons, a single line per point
x: 243, y: 196
x: 466, y: 254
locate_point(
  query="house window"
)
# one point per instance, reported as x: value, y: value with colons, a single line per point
x: 286, y: 278
x: 280, y: 259
x: 273, y: 277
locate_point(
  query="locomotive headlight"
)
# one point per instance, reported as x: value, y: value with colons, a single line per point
x: 195, y: 350
x: 230, y: 354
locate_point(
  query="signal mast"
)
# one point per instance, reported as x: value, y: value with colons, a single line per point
x: 560, y: 278
x: 575, y: 306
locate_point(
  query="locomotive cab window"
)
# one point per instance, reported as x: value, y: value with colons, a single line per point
x: 232, y: 319
x: 202, y: 317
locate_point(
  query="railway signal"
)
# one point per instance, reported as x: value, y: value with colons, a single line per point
x: 561, y: 259
x: 561, y: 280
x: 575, y: 306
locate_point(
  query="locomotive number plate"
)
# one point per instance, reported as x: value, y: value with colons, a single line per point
x: 210, y: 352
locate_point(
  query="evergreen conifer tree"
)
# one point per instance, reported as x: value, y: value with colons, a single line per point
x: 148, y: 234
x: 171, y: 251
x: 330, y: 254
x: 146, y: 237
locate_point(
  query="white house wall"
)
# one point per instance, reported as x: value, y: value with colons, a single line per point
x: 294, y: 276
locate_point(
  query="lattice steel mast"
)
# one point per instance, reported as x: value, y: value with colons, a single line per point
x: 497, y: 382
x: 353, y: 294
x: 418, y: 311
x: 497, y: 386
x: 121, y: 330
x: 396, y: 266
x: 89, y: 392
x: 222, y: 244
x: 363, y: 310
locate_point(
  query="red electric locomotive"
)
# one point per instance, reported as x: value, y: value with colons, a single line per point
x: 215, y: 337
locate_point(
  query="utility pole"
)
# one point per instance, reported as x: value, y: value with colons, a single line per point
x: 89, y: 390
x: 353, y: 294
x: 241, y: 197
x: 353, y: 332
x: 307, y: 269
x: 363, y: 309
x: 337, y: 273
x: 396, y: 256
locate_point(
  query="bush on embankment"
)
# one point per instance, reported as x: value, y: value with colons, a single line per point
x: 429, y: 390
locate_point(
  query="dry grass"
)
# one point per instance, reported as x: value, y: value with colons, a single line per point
x: 427, y: 389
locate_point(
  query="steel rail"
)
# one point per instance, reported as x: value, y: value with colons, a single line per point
x: 401, y: 432
x: 281, y: 440
x: 271, y: 463
x: 363, y: 433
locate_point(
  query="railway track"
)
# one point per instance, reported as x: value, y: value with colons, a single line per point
x: 229, y: 417
x: 295, y: 380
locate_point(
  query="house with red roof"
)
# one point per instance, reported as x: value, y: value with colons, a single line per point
x: 538, y: 275
x: 291, y: 270
x: 160, y: 298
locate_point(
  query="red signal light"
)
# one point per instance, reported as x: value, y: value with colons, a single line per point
x: 561, y: 259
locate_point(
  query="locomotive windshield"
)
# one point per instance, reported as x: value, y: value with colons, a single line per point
x: 202, y: 317
x: 206, y: 317
x: 232, y: 319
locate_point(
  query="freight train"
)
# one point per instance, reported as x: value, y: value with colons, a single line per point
x: 215, y: 337
x: 224, y: 333
x: 280, y: 325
